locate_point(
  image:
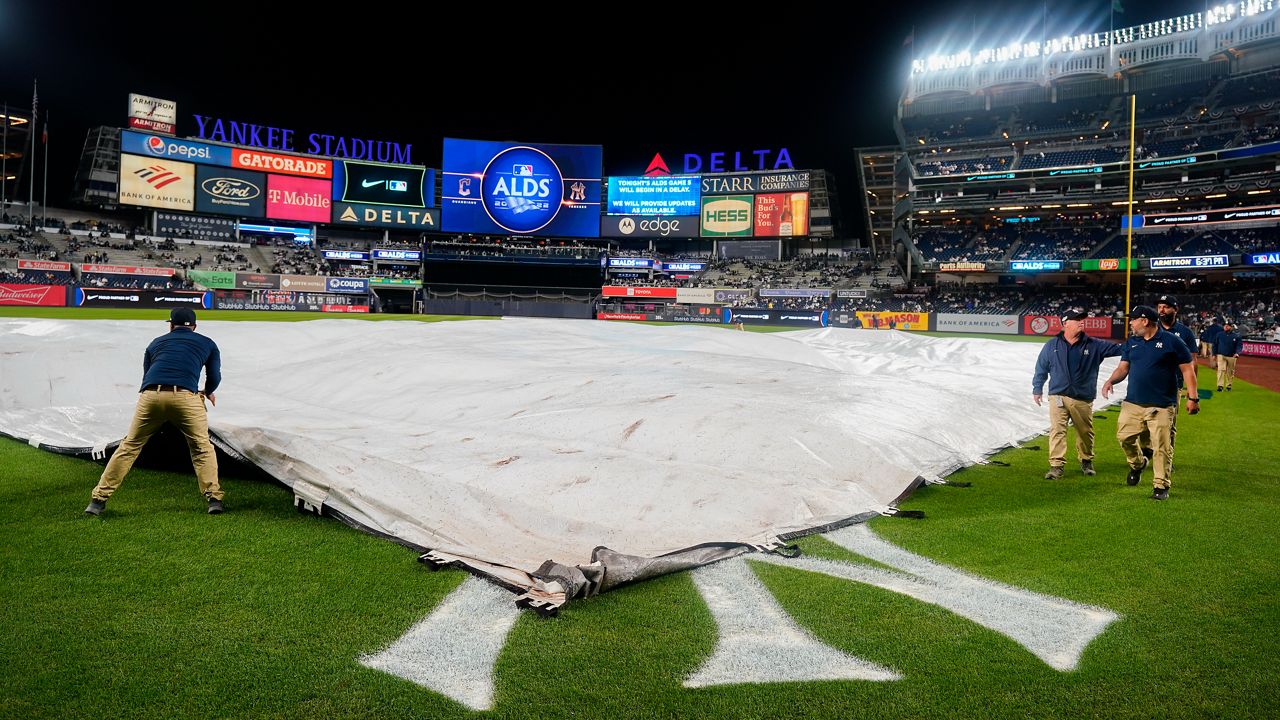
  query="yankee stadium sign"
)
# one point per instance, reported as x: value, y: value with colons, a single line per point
x: 274, y: 138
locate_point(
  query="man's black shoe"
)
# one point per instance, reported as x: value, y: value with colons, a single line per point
x: 1055, y: 473
x: 1086, y: 467
x: 1219, y: 388
x: 95, y: 507
x: 1160, y: 494
x: 1135, y: 474
x: 1148, y: 453
x: 215, y: 507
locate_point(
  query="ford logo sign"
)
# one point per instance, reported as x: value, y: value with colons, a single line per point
x: 231, y: 188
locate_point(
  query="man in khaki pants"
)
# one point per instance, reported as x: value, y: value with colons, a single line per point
x: 1227, y: 349
x: 1070, y: 361
x: 1152, y: 361
x: 171, y: 373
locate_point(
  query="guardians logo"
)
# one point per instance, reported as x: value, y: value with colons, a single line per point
x: 522, y: 189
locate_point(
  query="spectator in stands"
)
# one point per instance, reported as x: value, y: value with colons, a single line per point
x: 1227, y: 349
x: 1152, y: 360
x: 171, y: 373
x: 1070, y: 361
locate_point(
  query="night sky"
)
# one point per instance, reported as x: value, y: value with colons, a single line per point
x: 638, y: 79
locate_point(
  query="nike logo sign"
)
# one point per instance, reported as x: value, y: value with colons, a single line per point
x: 367, y: 183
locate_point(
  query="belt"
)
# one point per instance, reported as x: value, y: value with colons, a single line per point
x: 166, y: 388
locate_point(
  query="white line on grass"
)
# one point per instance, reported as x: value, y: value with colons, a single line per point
x: 759, y: 642
x: 453, y: 650
x: 1055, y: 630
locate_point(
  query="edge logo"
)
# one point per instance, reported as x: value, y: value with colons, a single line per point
x: 522, y: 189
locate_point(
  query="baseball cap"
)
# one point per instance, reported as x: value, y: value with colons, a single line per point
x: 182, y: 316
x: 1074, y: 315
x: 1144, y: 311
x: 1169, y: 300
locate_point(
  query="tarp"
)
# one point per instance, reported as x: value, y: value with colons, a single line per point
x: 593, y: 447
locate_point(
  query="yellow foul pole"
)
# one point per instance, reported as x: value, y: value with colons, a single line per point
x: 1128, y: 260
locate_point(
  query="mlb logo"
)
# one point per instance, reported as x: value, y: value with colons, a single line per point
x: 522, y: 170
x: 398, y: 185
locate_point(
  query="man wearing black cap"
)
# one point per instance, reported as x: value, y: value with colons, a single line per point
x: 1152, y: 360
x: 171, y: 373
x: 1070, y: 360
x: 1227, y: 350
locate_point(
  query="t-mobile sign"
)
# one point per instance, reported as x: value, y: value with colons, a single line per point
x: 295, y: 198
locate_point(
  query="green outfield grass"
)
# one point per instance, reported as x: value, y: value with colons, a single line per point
x: 158, y: 610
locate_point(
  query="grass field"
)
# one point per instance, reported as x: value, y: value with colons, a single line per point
x: 160, y: 611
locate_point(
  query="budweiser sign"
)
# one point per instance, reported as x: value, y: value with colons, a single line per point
x: 48, y: 295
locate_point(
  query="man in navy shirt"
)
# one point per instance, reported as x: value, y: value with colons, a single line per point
x: 1227, y: 349
x: 1167, y: 307
x: 171, y: 375
x: 1152, y: 360
x: 1070, y: 360
x: 1208, y: 337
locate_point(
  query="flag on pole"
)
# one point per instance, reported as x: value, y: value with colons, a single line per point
x: 1117, y: 7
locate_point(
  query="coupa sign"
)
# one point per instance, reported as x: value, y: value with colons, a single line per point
x: 357, y: 286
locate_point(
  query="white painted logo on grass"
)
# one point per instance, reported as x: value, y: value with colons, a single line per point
x: 454, y: 649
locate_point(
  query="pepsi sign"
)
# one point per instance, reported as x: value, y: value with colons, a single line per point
x: 492, y: 187
x: 158, y: 146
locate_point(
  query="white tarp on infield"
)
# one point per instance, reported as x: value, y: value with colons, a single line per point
x: 509, y: 443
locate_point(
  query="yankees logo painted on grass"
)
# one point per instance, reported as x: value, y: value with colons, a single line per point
x: 454, y: 649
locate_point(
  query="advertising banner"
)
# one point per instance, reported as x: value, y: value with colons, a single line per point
x: 749, y: 249
x: 856, y: 293
x: 494, y: 187
x: 227, y: 191
x: 385, y: 216
x: 180, y: 224
x: 727, y: 216
x: 696, y: 295
x: 664, y: 195
x: 32, y: 295
x: 1099, y: 327
x: 354, y: 255
x: 960, y: 322
x: 49, y: 265
x: 95, y: 297
x: 1035, y: 265
x: 292, y: 198
x: 367, y: 183
x: 681, y: 266
x: 257, y: 281
x: 622, y: 316
x: 283, y: 300
x: 734, y: 183
x: 731, y: 295
x: 1190, y: 261
x: 395, y: 282
x: 886, y: 320
x: 1254, y: 348
x: 151, y: 113
x: 782, y: 215
x: 623, y: 226
x: 1262, y: 258
x: 757, y: 316
x: 1223, y: 215
x: 168, y: 148
x: 639, y: 292
x: 127, y: 270
x: 345, y: 308
x: 962, y: 267
x: 312, y: 167
x: 795, y: 293
x: 166, y: 184
x: 630, y: 263
x: 213, y: 280
x: 1107, y: 264
x: 356, y: 286
x: 410, y: 256
x: 302, y: 283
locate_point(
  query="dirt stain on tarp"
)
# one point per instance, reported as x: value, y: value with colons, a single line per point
x: 626, y: 434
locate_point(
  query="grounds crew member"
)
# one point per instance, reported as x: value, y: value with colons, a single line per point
x: 171, y: 373
x: 1152, y: 360
x: 1227, y: 349
x: 1209, y: 335
x: 1070, y: 360
x: 1167, y: 307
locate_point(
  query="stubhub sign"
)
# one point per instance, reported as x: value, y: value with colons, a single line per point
x: 159, y: 146
x: 357, y: 286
